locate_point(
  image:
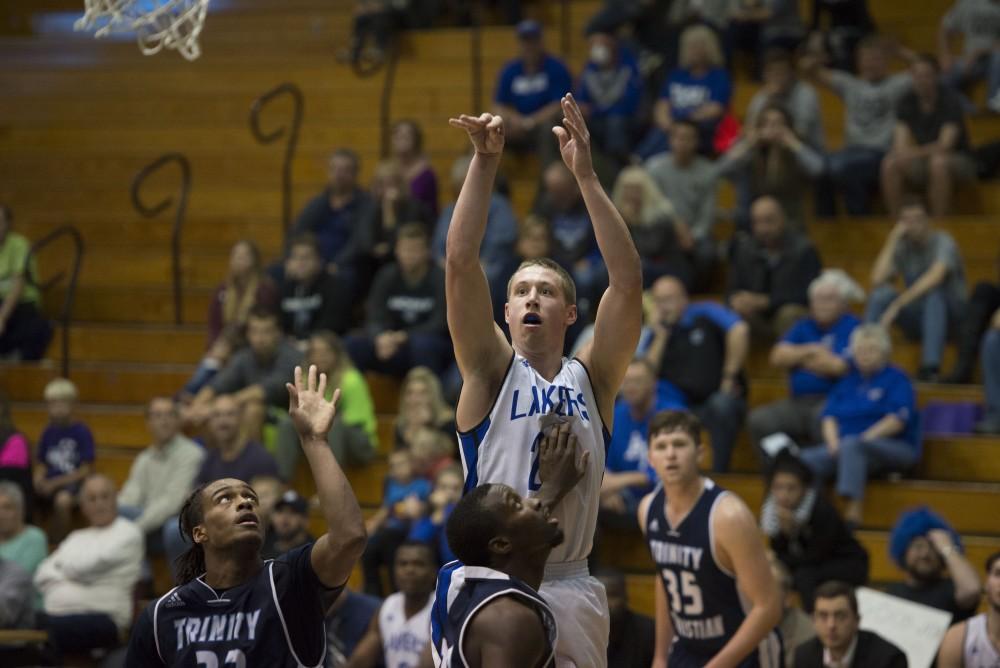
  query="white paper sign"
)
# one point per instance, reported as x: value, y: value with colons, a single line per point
x: 914, y: 628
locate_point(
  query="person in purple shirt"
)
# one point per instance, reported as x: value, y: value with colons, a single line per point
x: 408, y: 150
x: 814, y: 352
x: 65, y: 456
x: 528, y: 94
x: 870, y: 422
x: 698, y: 90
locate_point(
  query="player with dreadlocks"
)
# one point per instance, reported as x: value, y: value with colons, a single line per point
x: 233, y: 608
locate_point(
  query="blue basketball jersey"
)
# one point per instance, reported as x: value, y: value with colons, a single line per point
x: 462, y: 591
x: 706, y: 607
x: 274, y: 619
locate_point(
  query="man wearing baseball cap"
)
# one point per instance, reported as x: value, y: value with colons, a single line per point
x: 289, y: 525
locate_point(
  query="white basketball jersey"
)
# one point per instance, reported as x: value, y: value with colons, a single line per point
x: 403, y: 640
x: 978, y: 650
x: 503, y: 448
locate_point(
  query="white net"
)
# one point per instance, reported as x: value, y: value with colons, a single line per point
x: 158, y: 24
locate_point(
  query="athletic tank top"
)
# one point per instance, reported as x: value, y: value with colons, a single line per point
x: 503, y: 447
x: 978, y: 651
x: 403, y: 640
x: 462, y: 591
x: 705, y: 606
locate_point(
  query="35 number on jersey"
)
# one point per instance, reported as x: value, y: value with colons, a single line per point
x: 685, y: 595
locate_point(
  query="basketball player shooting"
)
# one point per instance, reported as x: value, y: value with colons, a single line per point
x: 716, y: 601
x: 233, y: 609
x: 510, y: 389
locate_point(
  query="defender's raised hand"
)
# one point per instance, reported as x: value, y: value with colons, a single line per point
x: 308, y: 407
x: 574, y: 139
x: 485, y: 131
x: 560, y: 464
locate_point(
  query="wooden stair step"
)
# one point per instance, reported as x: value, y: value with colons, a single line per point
x: 95, y: 342
x: 96, y: 382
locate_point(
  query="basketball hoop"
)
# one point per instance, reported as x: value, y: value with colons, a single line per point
x: 158, y: 24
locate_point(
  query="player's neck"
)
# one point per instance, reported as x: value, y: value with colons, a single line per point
x: 529, y: 569
x: 414, y: 603
x: 683, y: 494
x: 547, y: 363
x: 223, y: 571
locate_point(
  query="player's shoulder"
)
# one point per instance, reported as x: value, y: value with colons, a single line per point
x: 730, y: 512
x: 507, y: 617
x: 644, y: 505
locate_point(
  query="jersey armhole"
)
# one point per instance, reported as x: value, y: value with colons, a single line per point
x: 597, y: 400
x: 520, y: 597
x: 493, y: 404
x: 711, y: 534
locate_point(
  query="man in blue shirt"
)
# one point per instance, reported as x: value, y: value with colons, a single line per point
x: 627, y: 475
x: 815, y: 354
x: 609, y: 93
x: 701, y: 348
x: 528, y: 93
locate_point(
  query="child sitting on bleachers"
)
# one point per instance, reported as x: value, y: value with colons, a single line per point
x: 430, y: 528
x: 65, y: 456
x: 404, y: 501
x: 432, y: 452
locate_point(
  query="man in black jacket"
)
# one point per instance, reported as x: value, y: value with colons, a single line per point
x: 312, y: 300
x: 839, y: 643
x: 770, y: 272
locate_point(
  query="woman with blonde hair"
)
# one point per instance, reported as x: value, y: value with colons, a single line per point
x: 245, y: 286
x: 659, y: 235
x: 421, y: 405
x: 698, y: 90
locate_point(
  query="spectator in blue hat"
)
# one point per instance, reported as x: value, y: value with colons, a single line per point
x: 528, y: 93
x: 937, y: 574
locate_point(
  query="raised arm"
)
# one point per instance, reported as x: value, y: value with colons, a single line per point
x: 335, y: 552
x: 481, y: 349
x: 619, y: 315
x: 560, y: 465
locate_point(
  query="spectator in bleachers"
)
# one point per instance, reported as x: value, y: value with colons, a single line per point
x: 408, y: 150
x: 870, y: 423
x: 406, y: 323
x: 807, y: 534
x: 771, y: 160
x: 246, y: 286
x: 24, y: 544
x: 973, y: 643
x: 936, y: 572
x: 534, y: 241
x: 698, y: 90
x: 231, y: 339
x: 757, y: 25
x: 839, y: 639
x: 933, y: 300
x: 430, y: 528
x: 433, y: 451
x: 784, y: 89
x: 346, y: 624
x: 162, y: 475
x: 311, y: 299
x: 870, y: 100
x: 528, y: 93
x: 400, y: 632
x: 288, y: 526
x: 848, y: 23
x: 978, y: 22
x: 353, y: 436
x: 632, y: 636
x: 609, y: 93
x: 990, y: 424
x: 65, y: 457
x: 15, y: 456
x: 336, y: 213
x: 626, y: 479
x: 255, y: 376
x: 930, y: 146
x: 24, y: 331
x: 501, y: 225
x: 660, y: 236
x: 980, y: 316
x: 17, y: 595
x: 701, y: 348
x: 574, y: 244
x: 770, y: 271
x: 404, y: 502
x: 815, y: 353
x: 796, y: 626
x: 375, y: 237
x: 86, y: 583
x: 422, y: 405
x: 690, y: 182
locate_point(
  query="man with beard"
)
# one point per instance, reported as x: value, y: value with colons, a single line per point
x: 289, y: 525
x: 975, y: 643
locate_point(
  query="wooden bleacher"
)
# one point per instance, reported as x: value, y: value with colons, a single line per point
x: 80, y: 117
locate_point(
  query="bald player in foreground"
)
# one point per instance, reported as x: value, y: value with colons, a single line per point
x: 512, y: 391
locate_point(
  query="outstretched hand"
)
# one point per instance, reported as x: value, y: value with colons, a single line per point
x: 574, y: 139
x: 560, y: 462
x: 485, y: 131
x: 308, y: 407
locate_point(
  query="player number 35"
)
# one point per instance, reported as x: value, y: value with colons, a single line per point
x: 686, y: 598
x: 234, y: 657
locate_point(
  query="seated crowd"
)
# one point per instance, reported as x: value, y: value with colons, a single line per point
x: 359, y: 289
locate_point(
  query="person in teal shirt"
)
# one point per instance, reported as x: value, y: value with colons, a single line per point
x: 20, y: 543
